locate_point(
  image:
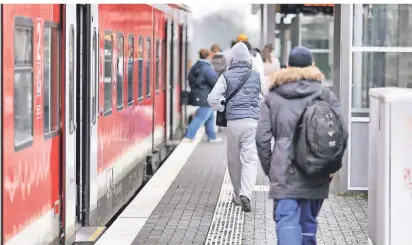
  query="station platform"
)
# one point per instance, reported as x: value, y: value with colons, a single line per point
x: 188, y: 201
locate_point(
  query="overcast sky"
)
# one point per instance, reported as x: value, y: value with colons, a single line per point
x: 204, y: 33
x: 201, y: 9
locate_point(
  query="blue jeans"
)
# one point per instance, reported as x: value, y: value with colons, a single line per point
x: 296, y: 222
x: 204, y: 115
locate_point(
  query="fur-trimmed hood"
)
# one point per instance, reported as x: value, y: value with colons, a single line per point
x: 293, y: 74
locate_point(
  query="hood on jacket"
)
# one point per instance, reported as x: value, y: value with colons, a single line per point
x: 198, y: 68
x: 239, y: 53
x: 297, y: 82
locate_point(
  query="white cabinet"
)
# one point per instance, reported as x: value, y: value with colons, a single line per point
x: 390, y: 166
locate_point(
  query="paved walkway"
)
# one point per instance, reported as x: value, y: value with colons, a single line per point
x: 197, y: 209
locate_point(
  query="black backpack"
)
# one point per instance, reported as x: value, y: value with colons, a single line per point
x: 320, y: 139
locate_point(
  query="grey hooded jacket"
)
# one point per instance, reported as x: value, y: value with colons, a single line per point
x: 291, y: 90
x: 247, y: 102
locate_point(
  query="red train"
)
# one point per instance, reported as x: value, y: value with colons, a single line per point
x: 90, y: 107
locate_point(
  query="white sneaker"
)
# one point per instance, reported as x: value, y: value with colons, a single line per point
x: 187, y: 140
x: 217, y: 140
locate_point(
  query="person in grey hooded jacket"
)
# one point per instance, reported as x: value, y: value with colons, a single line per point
x: 298, y: 198
x: 242, y: 114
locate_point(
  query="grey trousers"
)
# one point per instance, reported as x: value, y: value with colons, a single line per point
x: 242, y: 158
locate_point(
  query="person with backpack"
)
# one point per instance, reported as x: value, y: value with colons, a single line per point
x: 202, y: 78
x: 310, y: 138
x: 238, y: 94
x: 218, y: 59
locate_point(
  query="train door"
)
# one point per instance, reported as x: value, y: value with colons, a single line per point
x: 69, y: 157
x: 171, y: 87
x: 93, y: 107
x: 86, y: 83
x: 86, y: 138
x: 169, y: 79
x: 1, y: 126
x: 181, y: 79
x: 165, y: 77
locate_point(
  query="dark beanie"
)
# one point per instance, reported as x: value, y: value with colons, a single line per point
x: 300, y: 57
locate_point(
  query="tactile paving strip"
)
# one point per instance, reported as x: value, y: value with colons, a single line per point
x: 227, y: 223
x: 261, y: 188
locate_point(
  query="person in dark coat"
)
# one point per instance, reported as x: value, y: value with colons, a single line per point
x: 298, y: 199
x: 202, y: 78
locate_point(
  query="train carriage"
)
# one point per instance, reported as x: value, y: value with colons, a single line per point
x: 90, y: 109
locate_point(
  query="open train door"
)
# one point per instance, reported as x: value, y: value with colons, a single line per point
x: 69, y: 140
x: 1, y: 122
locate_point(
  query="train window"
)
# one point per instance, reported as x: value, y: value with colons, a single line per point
x: 130, y: 71
x: 157, y: 64
x: 23, y: 85
x: 95, y: 76
x: 140, y: 66
x: 108, y: 55
x: 51, y: 77
x: 71, y: 81
x: 164, y: 64
x: 148, y: 63
x: 120, y: 71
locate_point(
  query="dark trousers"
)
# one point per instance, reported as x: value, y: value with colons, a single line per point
x: 296, y: 222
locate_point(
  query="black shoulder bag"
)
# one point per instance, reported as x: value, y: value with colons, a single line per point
x: 221, y: 116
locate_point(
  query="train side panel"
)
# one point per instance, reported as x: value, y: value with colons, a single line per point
x: 124, y: 126
x: 32, y: 124
x: 159, y: 87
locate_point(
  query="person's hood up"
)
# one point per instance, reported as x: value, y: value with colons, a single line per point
x: 296, y: 82
x: 239, y: 53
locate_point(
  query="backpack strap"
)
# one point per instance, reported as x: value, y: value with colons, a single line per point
x: 325, y: 94
x: 239, y: 86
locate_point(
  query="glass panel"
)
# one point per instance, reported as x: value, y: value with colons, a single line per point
x: 140, y: 67
x: 374, y: 70
x: 148, y: 64
x: 130, y: 71
x: 23, y: 107
x: 71, y: 80
x: 383, y: 25
x: 23, y: 85
x: 164, y: 64
x: 157, y: 64
x: 120, y: 71
x: 108, y: 53
x: 51, y: 78
x: 324, y: 62
x: 23, y: 43
x: 95, y: 76
x: 317, y: 31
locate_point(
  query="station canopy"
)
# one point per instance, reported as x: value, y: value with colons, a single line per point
x: 307, y: 9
